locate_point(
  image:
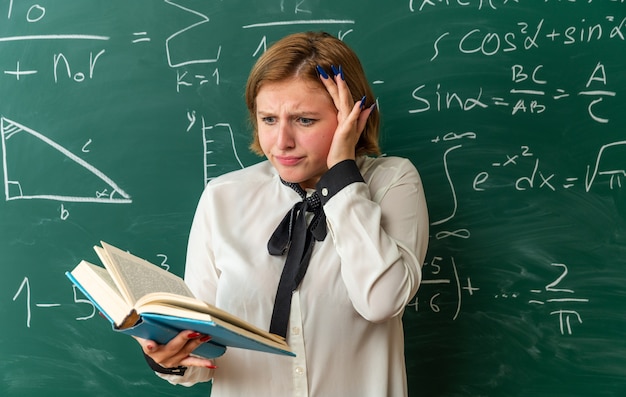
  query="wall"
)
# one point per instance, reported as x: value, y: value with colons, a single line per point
x: 115, y: 114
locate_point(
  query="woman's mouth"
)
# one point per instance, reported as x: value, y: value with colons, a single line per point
x: 288, y: 160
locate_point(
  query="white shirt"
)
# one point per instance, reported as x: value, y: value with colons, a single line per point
x: 345, y: 325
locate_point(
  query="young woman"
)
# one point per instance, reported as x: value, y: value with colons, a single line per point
x: 347, y: 232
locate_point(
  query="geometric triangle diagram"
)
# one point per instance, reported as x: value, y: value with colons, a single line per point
x: 36, y: 167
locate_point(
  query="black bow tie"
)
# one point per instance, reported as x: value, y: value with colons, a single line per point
x: 294, y: 237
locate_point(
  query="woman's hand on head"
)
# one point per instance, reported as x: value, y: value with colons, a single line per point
x: 177, y: 351
x: 351, y: 118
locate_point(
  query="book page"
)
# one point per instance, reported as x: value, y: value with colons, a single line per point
x: 143, y: 283
x: 96, y: 282
x: 136, y: 277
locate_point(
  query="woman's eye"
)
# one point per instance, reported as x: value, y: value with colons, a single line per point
x: 306, y: 121
x: 268, y: 120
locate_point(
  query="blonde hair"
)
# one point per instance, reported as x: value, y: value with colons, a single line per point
x: 297, y: 56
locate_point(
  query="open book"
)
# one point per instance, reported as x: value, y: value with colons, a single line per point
x: 144, y: 300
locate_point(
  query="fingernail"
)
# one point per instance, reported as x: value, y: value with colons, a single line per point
x: 211, y: 366
x: 150, y: 347
x: 335, y: 71
x: 205, y: 338
x: 322, y: 72
x: 362, y: 102
x: 373, y: 107
x: 341, y: 72
x: 193, y: 335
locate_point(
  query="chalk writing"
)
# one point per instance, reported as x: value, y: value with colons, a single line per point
x: 60, y: 64
x: 449, y: 137
x: 25, y: 289
x: 432, y: 273
x: 598, y: 75
x: 84, y: 301
x: 529, y: 94
x: 531, y: 35
x: 11, y: 131
x: 35, y: 12
x: 141, y: 37
x: 220, y: 135
x: 164, y: 263
x: 186, y: 79
x: 25, y: 284
x: 300, y: 22
x: 565, y: 316
x: 538, y: 178
x: 479, y: 4
x: 59, y: 61
x: 64, y: 213
x: 175, y: 62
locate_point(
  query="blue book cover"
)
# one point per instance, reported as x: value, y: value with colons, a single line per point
x: 162, y: 333
x: 220, y: 335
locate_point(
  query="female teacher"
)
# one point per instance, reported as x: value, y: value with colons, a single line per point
x: 322, y: 243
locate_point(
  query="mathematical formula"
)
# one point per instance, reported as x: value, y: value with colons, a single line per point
x: 432, y: 276
x: 528, y: 95
x: 554, y: 298
x: 528, y: 36
x: 533, y: 175
x: 483, y: 5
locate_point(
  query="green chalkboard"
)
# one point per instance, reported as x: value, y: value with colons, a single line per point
x: 114, y: 115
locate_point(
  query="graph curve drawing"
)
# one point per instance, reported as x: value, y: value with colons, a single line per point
x: 24, y: 149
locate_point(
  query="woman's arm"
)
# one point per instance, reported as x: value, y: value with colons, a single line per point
x: 380, y: 231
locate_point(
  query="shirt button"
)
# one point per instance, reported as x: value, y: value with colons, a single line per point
x: 295, y: 331
x: 299, y: 370
x: 324, y: 192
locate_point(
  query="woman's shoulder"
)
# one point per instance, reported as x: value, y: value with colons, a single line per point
x: 240, y: 183
x: 386, y: 167
x: 257, y: 173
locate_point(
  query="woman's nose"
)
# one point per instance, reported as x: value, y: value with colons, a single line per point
x: 284, y: 139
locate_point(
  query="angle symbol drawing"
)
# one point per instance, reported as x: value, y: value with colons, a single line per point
x: 36, y: 167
